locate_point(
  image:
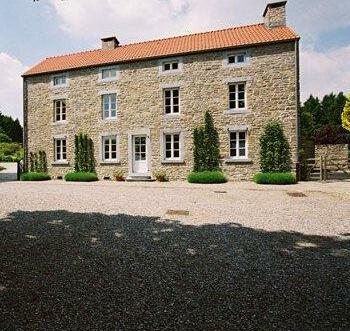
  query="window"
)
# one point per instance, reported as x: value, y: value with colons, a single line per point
x: 238, y: 145
x: 109, y: 148
x: 172, y: 101
x: 60, y: 80
x: 238, y: 58
x: 109, y: 104
x: 109, y: 73
x: 60, y: 110
x: 237, y: 96
x: 170, y: 66
x: 172, y: 146
x: 60, y: 149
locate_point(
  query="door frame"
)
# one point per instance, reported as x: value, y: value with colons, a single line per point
x: 136, y: 132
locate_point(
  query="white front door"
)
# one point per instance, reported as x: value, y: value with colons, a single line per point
x: 139, y: 154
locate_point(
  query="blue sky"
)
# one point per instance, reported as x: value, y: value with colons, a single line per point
x: 31, y: 31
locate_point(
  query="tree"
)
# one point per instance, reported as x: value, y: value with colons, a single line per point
x: 206, y: 146
x: 274, y: 149
x: 345, y: 116
x: 84, y: 154
x: 12, y: 128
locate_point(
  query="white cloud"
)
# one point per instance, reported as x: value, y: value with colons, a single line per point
x: 322, y: 73
x: 11, y: 101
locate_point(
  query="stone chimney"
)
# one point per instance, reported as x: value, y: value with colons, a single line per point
x: 275, y: 14
x: 109, y: 43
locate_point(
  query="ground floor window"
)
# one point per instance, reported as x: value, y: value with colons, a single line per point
x: 238, y: 145
x: 60, y: 149
x: 109, y: 148
x: 172, y: 150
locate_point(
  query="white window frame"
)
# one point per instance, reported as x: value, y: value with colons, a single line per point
x: 237, y: 109
x: 172, y: 159
x: 236, y: 54
x: 61, y: 153
x: 237, y: 132
x: 172, y: 113
x: 60, y: 110
x: 108, y: 137
x: 109, y: 79
x: 53, y: 77
x: 110, y: 109
x: 170, y: 61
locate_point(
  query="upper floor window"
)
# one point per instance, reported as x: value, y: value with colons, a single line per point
x: 60, y: 80
x: 237, y: 96
x: 60, y: 149
x: 172, y: 101
x: 60, y: 110
x: 238, y: 145
x: 237, y: 58
x: 109, y: 148
x: 169, y: 66
x: 109, y: 104
x: 108, y: 74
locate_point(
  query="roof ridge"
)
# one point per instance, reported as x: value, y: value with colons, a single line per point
x: 191, y: 34
x: 159, y: 39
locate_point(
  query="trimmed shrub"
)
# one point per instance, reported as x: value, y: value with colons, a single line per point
x: 81, y: 177
x: 275, y: 178
x: 206, y: 146
x: 207, y: 177
x: 274, y: 149
x: 35, y: 176
x: 84, y: 160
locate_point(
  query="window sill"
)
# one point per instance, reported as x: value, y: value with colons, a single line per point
x: 59, y: 123
x: 172, y: 161
x: 237, y: 111
x: 110, y: 162
x: 237, y: 65
x: 170, y: 72
x: 172, y: 116
x: 110, y: 119
x: 243, y: 161
x: 62, y: 163
x: 59, y: 86
x: 107, y: 80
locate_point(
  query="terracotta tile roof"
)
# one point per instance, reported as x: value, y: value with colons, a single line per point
x: 207, y: 41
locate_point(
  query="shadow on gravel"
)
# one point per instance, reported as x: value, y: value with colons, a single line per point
x: 83, y: 271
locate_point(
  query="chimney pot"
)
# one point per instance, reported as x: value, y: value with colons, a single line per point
x: 109, y: 43
x: 275, y: 14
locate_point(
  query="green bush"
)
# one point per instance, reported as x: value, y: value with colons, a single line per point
x: 11, y: 152
x: 276, y: 178
x: 81, y: 177
x: 4, y: 138
x: 84, y: 160
x: 35, y: 176
x: 274, y: 149
x: 207, y: 177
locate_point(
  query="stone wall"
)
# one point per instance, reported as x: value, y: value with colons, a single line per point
x: 332, y: 152
x: 271, y: 94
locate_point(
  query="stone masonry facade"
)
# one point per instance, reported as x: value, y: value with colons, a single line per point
x: 271, y: 78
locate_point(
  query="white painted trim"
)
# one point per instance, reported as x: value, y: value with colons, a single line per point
x: 171, y: 101
x: 106, y: 80
x: 238, y: 110
x: 167, y: 60
x: 109, y: 118
x: 135, y: 132
x: 236, y: 129
x: 163, y: 132
x: 246, y: 52
x: 101, y: 154
x: 57, y: 75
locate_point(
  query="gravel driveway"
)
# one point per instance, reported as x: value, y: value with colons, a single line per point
x: 117, y: 256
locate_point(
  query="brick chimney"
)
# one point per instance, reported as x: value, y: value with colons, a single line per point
x: 109, y: 43
x: 275, y: 14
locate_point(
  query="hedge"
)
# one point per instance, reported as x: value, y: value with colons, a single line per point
x: 275, y: 178
x: 34, y: 176
x: 207, y: 177
x: 81, y: 177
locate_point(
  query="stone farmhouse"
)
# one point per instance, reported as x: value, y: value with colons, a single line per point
x: 139, y: 102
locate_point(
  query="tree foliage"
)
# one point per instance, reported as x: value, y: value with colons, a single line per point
x: 206, y: 146
x: 84, y: 154
x: 38, y: 162
x: 345, y: 117
x: 274, y: 149
x: 11, y: 128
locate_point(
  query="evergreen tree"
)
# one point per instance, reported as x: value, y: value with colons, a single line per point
x: 12, y: 128
x: 211, y: 142
x: 274, y: 149
x: 345, y: 117
x: 84, y: 154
